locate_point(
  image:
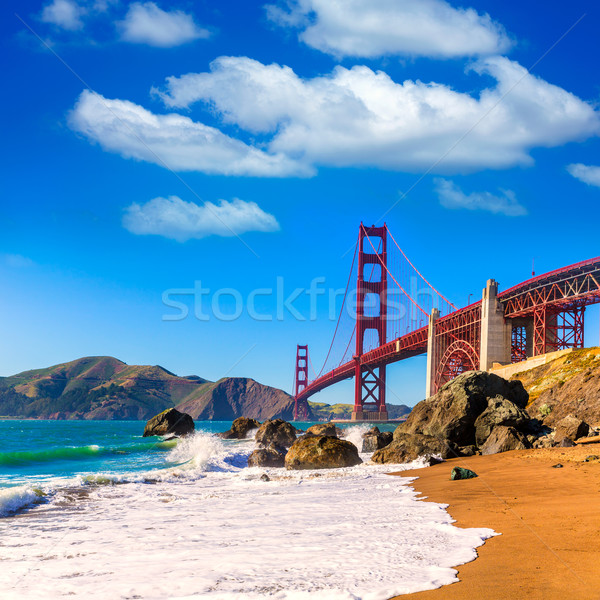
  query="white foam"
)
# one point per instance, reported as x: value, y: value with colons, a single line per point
x: 355, y: 434
x: 341, y: 534
x: 15, y: 498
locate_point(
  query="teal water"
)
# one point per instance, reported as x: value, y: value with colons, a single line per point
x: 35, y: 451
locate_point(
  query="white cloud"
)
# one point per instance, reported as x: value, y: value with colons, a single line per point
x: 146, y: 23
x: 585, y: 173
x: 505, y: 203
x: 172, y: 140
x: 179, y: 220
x: 371, y: 28
x: 64, y: 13
x: 358, y: 117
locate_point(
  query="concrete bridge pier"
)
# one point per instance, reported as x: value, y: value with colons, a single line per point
x: 496, y: 331
x: 431, y: 358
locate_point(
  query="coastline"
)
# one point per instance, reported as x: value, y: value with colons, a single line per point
x: 548, y: 519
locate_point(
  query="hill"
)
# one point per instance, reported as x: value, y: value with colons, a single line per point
x: 103, y: 387
x: 233, y: 397
x: 327, y: 412
x: 567, y: 385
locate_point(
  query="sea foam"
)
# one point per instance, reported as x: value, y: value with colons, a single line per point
x: 339, y: 534
x: 13, y: 499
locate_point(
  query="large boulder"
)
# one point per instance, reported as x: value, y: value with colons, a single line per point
x: 170, y: 421
x: 323, y: 429
x: 503, y: 439
x: 240, y: 428
x: 273, y: 456
x: 278, y: 432
x: 499, y: 411
x: 322, y: 452
x: 407, y: 447
x: 571, y: 428
x: 452, y: 412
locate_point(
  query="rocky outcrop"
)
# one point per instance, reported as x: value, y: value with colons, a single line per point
x: 503, y: 439
x: 170, y: 421
x: 568, y: 385
x: 570, y: 428
x: 407, y: 447
x: 374, y: 439
x: 272, y: 456
x: 452, y: 412
x: 240, y: 429
x: 460, y: 418
x: 499, y: 411
x: 323, y: 429
x: 322, y: 452
x: 278, y: 432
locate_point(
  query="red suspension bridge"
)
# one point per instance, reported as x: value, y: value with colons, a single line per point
x: 395, y: 313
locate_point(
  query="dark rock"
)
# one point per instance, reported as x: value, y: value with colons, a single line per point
x: 385, y: 438
x: 407, y: 447
x: 373, y: 431
x: 272, y: 456
x: 467, y: 450
x: 170, y: 421
x: 557, y: 466
x: 323, y: 429
x: 460, y: 473
x: 277, y: 432
x: 503, y: 439
x: 592, y: 457
x: 265, y: 477
x: 452, y: 412
x: 570, y: 428
x: 240, y: 428
x: 565, y: 443
x: 370, y: 443
x: 322, y: 452
x: 499, y: 411
x: 375, y: 441
x: 544, y: 442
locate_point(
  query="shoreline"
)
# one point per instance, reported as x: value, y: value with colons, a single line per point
x: 548, y: 518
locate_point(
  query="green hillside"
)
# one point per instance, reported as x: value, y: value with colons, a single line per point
x: 327, y: 412
x: 95, y: 387
x: 105, y: 388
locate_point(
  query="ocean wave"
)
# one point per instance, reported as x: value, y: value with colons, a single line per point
x: 354, y: 434
x: 14, y: 499
x: 70, y: 453
x: 206, y: 453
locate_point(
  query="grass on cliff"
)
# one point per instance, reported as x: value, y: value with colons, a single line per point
x: 557, y: 372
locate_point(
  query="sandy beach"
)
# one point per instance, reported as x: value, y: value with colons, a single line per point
x: 549, y: 519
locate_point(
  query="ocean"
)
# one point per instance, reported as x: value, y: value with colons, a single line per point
x: 90, y: 509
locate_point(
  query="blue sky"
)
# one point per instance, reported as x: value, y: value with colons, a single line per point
x: 148, y: 146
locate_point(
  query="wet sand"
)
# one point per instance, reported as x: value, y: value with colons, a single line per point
x: 549, y: 519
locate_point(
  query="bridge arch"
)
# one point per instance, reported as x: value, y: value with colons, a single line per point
x: 459, y: 357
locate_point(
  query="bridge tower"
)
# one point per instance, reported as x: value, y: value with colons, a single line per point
x: 301, y: 412
x: 369, y: 382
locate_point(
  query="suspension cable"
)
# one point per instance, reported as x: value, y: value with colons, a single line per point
x: 388, y: 271
x: 419, y: 273
x: 341, y: 312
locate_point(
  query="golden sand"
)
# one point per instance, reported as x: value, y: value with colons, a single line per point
x: 549, y: 519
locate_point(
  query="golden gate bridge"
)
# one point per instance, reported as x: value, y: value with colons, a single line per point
x: 394, y: 313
